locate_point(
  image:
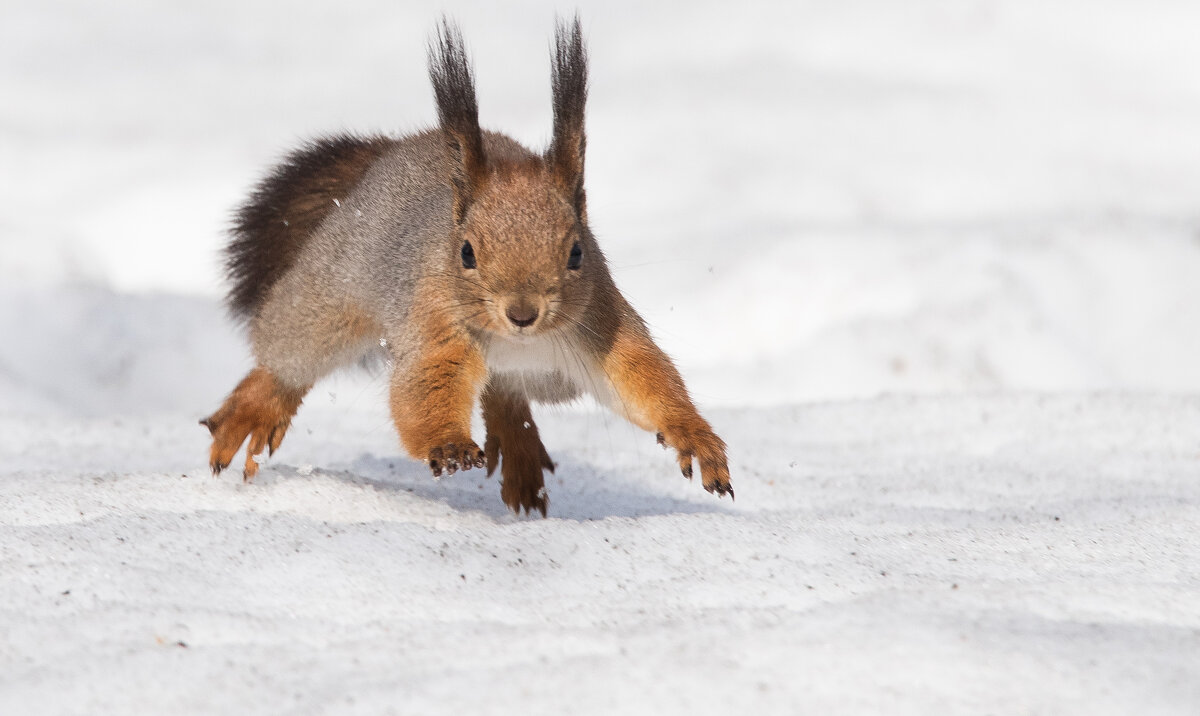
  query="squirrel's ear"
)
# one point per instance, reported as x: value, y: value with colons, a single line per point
x: 568, y: 81
x: 458, y: 115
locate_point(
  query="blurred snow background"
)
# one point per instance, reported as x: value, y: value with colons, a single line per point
x: 807, y: 200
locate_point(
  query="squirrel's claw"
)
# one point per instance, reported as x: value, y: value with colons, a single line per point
x: 709, y: 450
x: 261, y: 409
x: 452, y: 457
x: 721, y: 490
x: 438, y: 461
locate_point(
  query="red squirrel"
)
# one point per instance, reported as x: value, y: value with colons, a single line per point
x: 469, y: 259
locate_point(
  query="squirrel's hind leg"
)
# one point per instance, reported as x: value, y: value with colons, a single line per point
x: 294, y: 348
x: 513, y: 444
x: 261, y: 407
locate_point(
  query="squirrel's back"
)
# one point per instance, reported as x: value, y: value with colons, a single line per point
x: 393, y: 188
x: 286, y: 207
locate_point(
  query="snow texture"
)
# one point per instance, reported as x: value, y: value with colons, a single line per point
x: 931, y: 268
x: 1008, y: 554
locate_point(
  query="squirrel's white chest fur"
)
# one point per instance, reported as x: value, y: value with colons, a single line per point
x: 547, y: 368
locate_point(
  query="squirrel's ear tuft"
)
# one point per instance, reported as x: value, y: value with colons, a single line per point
x: 458, y: 114
x: 568, y: 81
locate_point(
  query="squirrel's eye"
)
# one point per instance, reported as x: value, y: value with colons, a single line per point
x: 468, y: 255
x: 576, y: 257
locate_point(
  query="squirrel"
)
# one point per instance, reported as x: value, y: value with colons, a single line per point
x: 469, y: 259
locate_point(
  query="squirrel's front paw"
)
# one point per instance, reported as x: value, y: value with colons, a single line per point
x: 453, y: 456
x: 261, y: 407
x: 705, y: 446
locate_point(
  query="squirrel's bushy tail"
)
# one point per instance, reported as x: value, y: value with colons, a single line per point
x: 286, y: 208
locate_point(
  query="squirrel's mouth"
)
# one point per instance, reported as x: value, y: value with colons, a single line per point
x: 521, y: 316
x: 525, y: 334
x: 543, y: 327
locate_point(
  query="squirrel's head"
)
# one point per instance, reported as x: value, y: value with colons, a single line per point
x: 524, y: 259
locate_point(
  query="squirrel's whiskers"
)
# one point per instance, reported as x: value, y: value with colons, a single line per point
x: 470, y: 260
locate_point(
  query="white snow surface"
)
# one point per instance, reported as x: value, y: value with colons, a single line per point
x: 1003, y: 554
x: 931, y: 268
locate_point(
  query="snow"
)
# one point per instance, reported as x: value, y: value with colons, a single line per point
x: 1013, y: 554
x: 930, y: 268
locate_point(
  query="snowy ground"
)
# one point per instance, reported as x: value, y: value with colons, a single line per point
x: 1007, y: 554
x: 933, y: 269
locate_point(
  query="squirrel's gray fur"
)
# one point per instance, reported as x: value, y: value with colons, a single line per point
x: 469, y: 259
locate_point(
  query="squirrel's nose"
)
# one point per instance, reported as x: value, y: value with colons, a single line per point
x: 521, y: 314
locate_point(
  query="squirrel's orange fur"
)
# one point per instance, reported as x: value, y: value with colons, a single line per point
x: 470, y: 258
